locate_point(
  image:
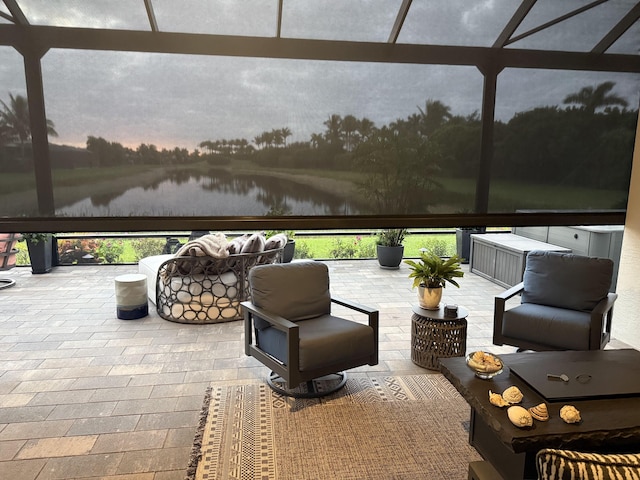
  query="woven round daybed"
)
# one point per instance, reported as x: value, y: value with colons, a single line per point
x: 205, y: 289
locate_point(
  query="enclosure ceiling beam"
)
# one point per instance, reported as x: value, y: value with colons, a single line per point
x: 7, y: 17
x: 555, y: 21
x: 225, y: 45
x: 616, y: 32
x: 397, y: 25
x: 16, y: 12
x: 152, y: 16
x: 279, y: 20
x: 514, y: 23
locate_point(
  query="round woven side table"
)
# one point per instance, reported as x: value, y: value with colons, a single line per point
x: 434, y: 335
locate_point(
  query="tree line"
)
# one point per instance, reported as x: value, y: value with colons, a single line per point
x: 586, y: 142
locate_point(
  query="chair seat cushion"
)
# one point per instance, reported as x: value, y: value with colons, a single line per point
x: 552, y: 326
x: 554, y: 464
x: 324, y: 341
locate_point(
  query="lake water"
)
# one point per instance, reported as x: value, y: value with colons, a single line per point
x: 222, y: 195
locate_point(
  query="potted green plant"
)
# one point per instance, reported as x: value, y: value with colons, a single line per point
x: 40, y: 246
x: 431, y: 274
x: 389, y: 247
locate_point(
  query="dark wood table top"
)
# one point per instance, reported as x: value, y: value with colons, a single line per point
x: 607, y: 423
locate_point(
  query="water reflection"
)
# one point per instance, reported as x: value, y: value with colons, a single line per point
x: 220, y: 193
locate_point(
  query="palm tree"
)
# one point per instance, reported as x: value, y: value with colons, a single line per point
x: 16, y: 121
x: 434, y: 115
x: 285, y: 133
x: 366, y: 128
x: 316, y: 140
x: 207, y: 145
x: 591, y: 99
x: 334, y: 126
x: 278, y: 138
x: 269, y: 138
x: 349, y: 127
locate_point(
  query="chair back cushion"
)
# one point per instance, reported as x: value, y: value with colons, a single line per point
x: 295, y: 291
x: 565, y: 280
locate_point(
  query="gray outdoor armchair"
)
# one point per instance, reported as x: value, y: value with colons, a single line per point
x: 290, y: 329
x: 565, y: 304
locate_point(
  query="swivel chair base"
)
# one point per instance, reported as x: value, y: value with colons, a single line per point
x: 312, y: 391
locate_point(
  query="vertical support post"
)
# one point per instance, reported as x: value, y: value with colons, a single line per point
x: 39, y: 140
x: 490, y: 73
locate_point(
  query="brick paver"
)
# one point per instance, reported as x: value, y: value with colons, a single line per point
x: 86, y: 395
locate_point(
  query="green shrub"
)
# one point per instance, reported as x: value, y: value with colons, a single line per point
x: 146, y: 247
x: 342, y: 249
x: 302, y: 250
x: 110, y: 250
x: 439, y: 246
x: 365, y: 247
x: 78, y: 250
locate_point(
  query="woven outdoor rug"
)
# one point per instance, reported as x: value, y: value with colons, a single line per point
x: 387, y: 427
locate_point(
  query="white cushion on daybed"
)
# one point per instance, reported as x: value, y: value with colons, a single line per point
x: 149, y: 266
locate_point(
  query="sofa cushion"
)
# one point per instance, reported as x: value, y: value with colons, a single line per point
x: 554, y: 464
x: 565, y: 280
x: 552, y: 326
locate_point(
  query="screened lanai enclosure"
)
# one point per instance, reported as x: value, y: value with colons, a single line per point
x: 135, y: 115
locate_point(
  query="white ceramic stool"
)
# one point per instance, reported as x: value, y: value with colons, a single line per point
x: 131, y: 296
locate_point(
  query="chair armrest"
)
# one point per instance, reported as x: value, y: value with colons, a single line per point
x: 601, y: 317
x: 278, y: 322
x: 291, y: 331
x: 511, y: 292
x: 374, y: 319
x: 353, y: 305
x: 498, y: 311
x: 604, y: 305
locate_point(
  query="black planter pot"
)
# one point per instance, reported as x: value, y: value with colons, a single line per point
x: 389, y: 257
x: 288, y: 251
x: 41, y: 255
x: 463, y: 242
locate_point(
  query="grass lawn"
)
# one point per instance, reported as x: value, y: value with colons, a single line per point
x: 130, y: 250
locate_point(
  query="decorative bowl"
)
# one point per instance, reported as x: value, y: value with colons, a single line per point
x: 484, y: 365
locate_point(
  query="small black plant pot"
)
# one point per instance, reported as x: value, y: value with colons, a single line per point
x: 389, y: 257
x: 463, y: 242
x: 288, y: 251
